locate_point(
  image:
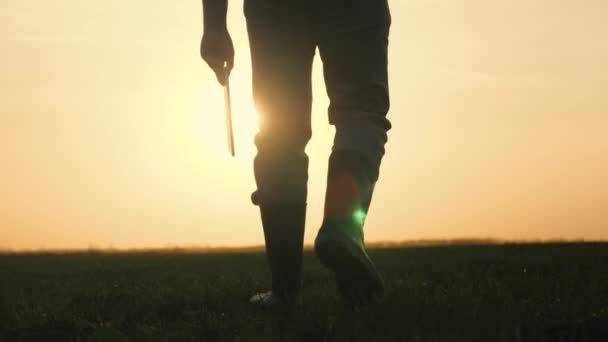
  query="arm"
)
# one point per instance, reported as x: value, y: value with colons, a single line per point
x: 216, y: 46
x: 214, y: 14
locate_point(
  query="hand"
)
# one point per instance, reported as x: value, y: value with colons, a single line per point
x: 217, y: 51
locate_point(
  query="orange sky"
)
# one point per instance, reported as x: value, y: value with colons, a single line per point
x: 112, y: 129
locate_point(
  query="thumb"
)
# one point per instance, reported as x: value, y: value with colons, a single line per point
x: 220, y: 75
x: 222, y: 72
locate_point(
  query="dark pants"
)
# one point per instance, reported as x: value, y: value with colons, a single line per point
x: 352, y: 38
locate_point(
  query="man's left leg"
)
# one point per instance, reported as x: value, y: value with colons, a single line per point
x: 354, y: 58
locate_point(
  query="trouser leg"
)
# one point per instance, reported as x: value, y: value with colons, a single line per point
x: 354, y: 53
x: 282, y: 55
x: 355, y: 68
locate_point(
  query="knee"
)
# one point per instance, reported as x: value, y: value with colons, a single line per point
x: 366, y: 137
x: 283, y: 139
x: 281, y: 165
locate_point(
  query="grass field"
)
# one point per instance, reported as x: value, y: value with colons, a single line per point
x: 518, y: 292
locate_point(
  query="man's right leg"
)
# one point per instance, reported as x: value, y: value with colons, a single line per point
x: 282, y: 53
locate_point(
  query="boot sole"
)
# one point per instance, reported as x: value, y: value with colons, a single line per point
x: 355, y: 272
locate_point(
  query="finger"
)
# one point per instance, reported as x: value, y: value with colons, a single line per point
x: 220, y: 66
x: 230, y: 64
x: 220, y: 75
x: 227, y: 69
x: 217, y: 65
x: 213, y: 61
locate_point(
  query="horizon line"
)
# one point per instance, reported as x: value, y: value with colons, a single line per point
x: 260, y: 248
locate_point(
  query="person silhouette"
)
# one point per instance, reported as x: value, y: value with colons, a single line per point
x: 352, y: 39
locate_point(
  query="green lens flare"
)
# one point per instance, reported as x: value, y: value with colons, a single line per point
x: 359, y: 216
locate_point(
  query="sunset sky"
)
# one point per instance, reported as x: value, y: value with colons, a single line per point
x: 112, y: 129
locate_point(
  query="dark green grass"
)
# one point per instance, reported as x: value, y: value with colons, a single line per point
x: 524, y: 292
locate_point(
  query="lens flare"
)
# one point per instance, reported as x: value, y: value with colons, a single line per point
x: 359, y: 216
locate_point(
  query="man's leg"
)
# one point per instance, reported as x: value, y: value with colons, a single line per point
x: 354, y: 58
x: 282, y: 52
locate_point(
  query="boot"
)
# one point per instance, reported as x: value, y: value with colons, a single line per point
x: 340, y: 242
x: 284, y: 234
